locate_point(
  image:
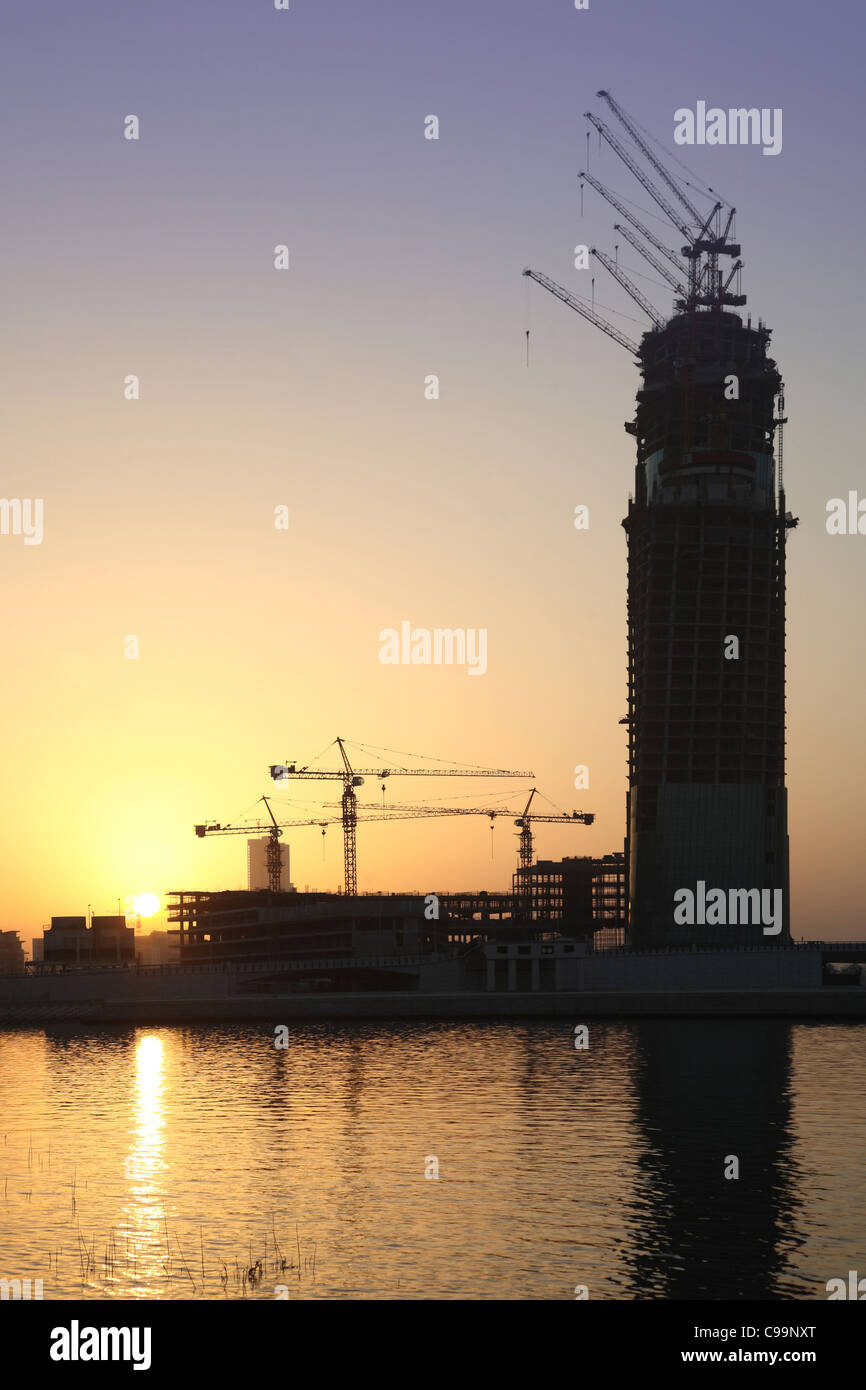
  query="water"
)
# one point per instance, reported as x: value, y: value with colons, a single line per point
x: 164, y: 1162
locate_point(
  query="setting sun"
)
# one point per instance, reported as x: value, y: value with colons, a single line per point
x: 146, y: 904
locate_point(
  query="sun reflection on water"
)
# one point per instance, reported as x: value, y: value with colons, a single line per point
x: 145, y: 1166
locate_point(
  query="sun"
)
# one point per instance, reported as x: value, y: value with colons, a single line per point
x: 146, y: 904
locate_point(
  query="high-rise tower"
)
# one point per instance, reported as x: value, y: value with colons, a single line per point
x: 706, y: 528
x: 706, y: 630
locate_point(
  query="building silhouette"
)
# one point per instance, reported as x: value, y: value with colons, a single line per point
x: 70, y: 941
x: 706, y: 535
x: 11, y: 953
x: 586, y: 894
x: 706, y: 527
x: 157, y: 948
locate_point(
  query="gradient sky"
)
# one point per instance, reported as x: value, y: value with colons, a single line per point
x: 306, y: 388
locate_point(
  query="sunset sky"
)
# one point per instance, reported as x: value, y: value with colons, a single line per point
x: 305, y: 388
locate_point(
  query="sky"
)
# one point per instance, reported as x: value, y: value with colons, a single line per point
x: 305, y: 389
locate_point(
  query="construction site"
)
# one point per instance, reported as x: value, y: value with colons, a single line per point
x: 574, y: 897
x: 706, y: 527
x: 706, y: 530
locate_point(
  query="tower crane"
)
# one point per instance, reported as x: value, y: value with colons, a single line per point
x: 645, y: 181
x: 523, y: 896
x: 524, y: 821
x: 629, y: 286
x: 648, y: 256
x: 352, y: 778
x: 698, y: 242
x: 635, y: 222
x: 397, y: 812
x: 649, y: 155
x: 574, y: 303
x: 704, y: 284
x: 272, y: 828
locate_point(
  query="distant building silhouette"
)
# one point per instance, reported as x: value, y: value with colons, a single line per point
x: 107, y: 941
x: 586, y: 893
x: 158, y: 948
x: 235, y: 927
x: 11, y: 953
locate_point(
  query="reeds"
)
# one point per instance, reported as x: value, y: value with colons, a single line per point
x: 152, y: 1253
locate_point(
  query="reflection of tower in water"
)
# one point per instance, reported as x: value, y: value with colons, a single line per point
x: 709, y: 1091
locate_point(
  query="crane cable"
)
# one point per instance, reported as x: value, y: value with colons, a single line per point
x: 402, y: 753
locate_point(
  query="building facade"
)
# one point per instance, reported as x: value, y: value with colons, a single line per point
x: 237, y: 927
x: 581, y: 893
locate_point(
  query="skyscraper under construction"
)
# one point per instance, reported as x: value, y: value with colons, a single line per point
x: 706, y: 627
x: 706, y: 529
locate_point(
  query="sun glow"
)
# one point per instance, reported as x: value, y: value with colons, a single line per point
x: 146, y: 904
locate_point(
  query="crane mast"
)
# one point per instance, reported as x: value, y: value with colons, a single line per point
x: 352, y: 778
x: 350, y: 822
x: 273, y: 857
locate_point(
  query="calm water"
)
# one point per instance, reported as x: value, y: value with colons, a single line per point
x: 132, y: 1158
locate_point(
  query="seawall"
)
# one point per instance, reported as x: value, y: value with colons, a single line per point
x: 827, y: 1003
